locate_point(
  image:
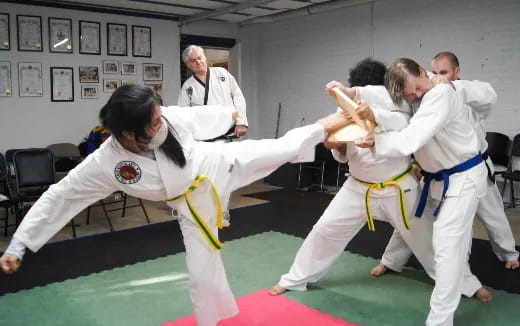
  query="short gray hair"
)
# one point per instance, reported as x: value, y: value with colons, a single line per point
x: 397, y: 75
x: 187, y: 51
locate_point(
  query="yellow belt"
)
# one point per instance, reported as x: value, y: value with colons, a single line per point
x: 380, y: 186
x: 206, y: 231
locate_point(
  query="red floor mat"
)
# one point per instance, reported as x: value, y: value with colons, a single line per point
x: 262, y: 309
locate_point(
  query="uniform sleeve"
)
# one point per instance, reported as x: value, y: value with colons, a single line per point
x: 437, y: 108
x: 480, y: 96
x: 83, y: 186
x: 238, y: 100
x: 388, y: 116
x: 204, y: 122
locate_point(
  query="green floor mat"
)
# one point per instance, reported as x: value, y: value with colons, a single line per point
x: 156, y: 291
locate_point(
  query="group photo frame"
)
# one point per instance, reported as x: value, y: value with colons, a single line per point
x: 29, y: 32
x: 110, y: 67
x: 152, y: 71
x: 60, y: 35
x: 89, y: 37
x: 117, y: 39
x: 62, y: 84
x: 89, y: 91
x: 30, y: 83
x: 5, y: 34
x: 128, y: 68
x: 88, y: 74
x: 110, y: 85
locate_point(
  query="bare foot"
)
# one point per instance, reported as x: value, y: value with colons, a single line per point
x: 379, y: 270
x: 483, y: 295
x: 512, y: 264
x: 334, y: 121
x: 277, y: 290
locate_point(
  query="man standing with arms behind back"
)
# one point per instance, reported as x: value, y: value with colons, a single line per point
x: 213, y: 85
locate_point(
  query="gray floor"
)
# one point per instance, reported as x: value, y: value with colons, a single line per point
x: 159, y: 212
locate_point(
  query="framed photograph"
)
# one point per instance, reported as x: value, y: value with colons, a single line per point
x: 157, y: 88
x: 30, y: 79
x: 128, y: 68
x: 29, y: 33
x: 152, y: 71
x: 128, y: 82
x: 116, y: 39
x: 88, y: 74
x: 89, y: 37
x: 5, y: 36
x: 62, y: 84
x: 110, y: 85
x: 89, y: 91
x: 60, y: 35
x: 5, y: 79
x: 141, y: 41
x: 110, y: 67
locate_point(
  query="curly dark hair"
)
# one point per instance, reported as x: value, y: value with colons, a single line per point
x: 367, y: 72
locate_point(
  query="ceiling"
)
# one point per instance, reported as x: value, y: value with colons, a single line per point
x: 188, y: 11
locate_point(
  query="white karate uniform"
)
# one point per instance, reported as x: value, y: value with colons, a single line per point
x: 441, y: 136
x: 223, y: 90
x: 346, y: 213
x: 479, y: 97
x: 228, y: 165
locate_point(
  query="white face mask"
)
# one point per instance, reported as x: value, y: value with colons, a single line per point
x: 159, y: 137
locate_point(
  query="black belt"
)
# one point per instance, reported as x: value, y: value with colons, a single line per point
x: 491, y: 176
x: 229, y: 136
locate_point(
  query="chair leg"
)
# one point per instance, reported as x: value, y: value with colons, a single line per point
x: 106, y: 216
x: 299, y: 175
x: 124, y: 205
x: 6, y: 224
x: 322, y: 175
x: 73, y: 228
x: 512, y: 194
x: 88, y: 215
x: 144, y: 210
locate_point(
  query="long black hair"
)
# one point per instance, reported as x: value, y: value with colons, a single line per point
x: 130, y: 108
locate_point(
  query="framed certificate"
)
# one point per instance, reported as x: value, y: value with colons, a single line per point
x: 128, y: 68
x: 89, y: 91
x: 152, y: 71
x: 30, y: 79
x: 110, y: 85
x: 62, y: 84
x: 6, y: 88
x: 88, y: 74
x: 116, y: 39
x: 5, y: 36
x: 141, y: 41
x: 89, y: 37
x: 29, y: 33
x: 60, y: 35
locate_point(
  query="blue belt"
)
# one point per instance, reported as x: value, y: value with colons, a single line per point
x: 443, y: 175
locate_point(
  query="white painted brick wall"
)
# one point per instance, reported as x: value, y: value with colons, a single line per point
x: 290, y: 61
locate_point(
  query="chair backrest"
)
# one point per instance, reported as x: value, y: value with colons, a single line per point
x: 499, y: 148
x: 34, y: 167
x: 515, y: 153
x: 323, y: 154
x: 66, y: 156
x: 3, y: 169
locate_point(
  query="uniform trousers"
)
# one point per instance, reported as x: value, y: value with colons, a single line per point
x: 491, y: 214
x: 230, y: 166
x: 343, y: 219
